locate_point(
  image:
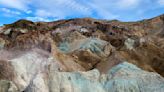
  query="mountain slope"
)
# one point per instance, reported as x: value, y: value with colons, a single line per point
x: 33, y: 53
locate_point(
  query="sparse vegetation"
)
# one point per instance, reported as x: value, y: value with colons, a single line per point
x: 25, y: 24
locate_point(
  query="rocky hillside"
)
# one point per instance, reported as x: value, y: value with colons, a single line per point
x: 82, y: 55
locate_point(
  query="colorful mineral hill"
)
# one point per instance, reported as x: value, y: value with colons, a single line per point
x: 82, y: 55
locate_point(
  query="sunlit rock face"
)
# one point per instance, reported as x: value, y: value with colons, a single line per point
x: 82, y: 55
x: 120, y: 78
x: 124, y: 77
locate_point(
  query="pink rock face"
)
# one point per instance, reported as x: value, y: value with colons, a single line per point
x: 33, y: 54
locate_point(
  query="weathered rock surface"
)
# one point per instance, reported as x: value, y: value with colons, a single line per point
x: 82, y: 55
x: 44, y: 76
x: 122, y: 78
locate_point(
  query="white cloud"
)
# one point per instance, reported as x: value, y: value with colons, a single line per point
x: 161, y: 2
x: 11, y: 12
x: 28, y: 12
x: 73, y: 4
x: 38, y: 19
x: 61, y: 8
x: 51, y: 8
x: 17, y: 4
x: 102, y: 10
x: 43, y: 13
x: 127, y: 4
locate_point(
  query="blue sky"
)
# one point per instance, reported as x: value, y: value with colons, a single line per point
x: 50, y: 10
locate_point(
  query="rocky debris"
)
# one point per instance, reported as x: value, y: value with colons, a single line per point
x: 94, y: 45
x: 129, y: 78
x: 2, y: 43
x: 121, y: 78
x: 129, y: 43
x: 7, y: 86
x: 22, y: 70
x: 133, y: 42
x: 6, y: 72
x: 114, y: 59
x: 88, y: 52
x: 124, y: 77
